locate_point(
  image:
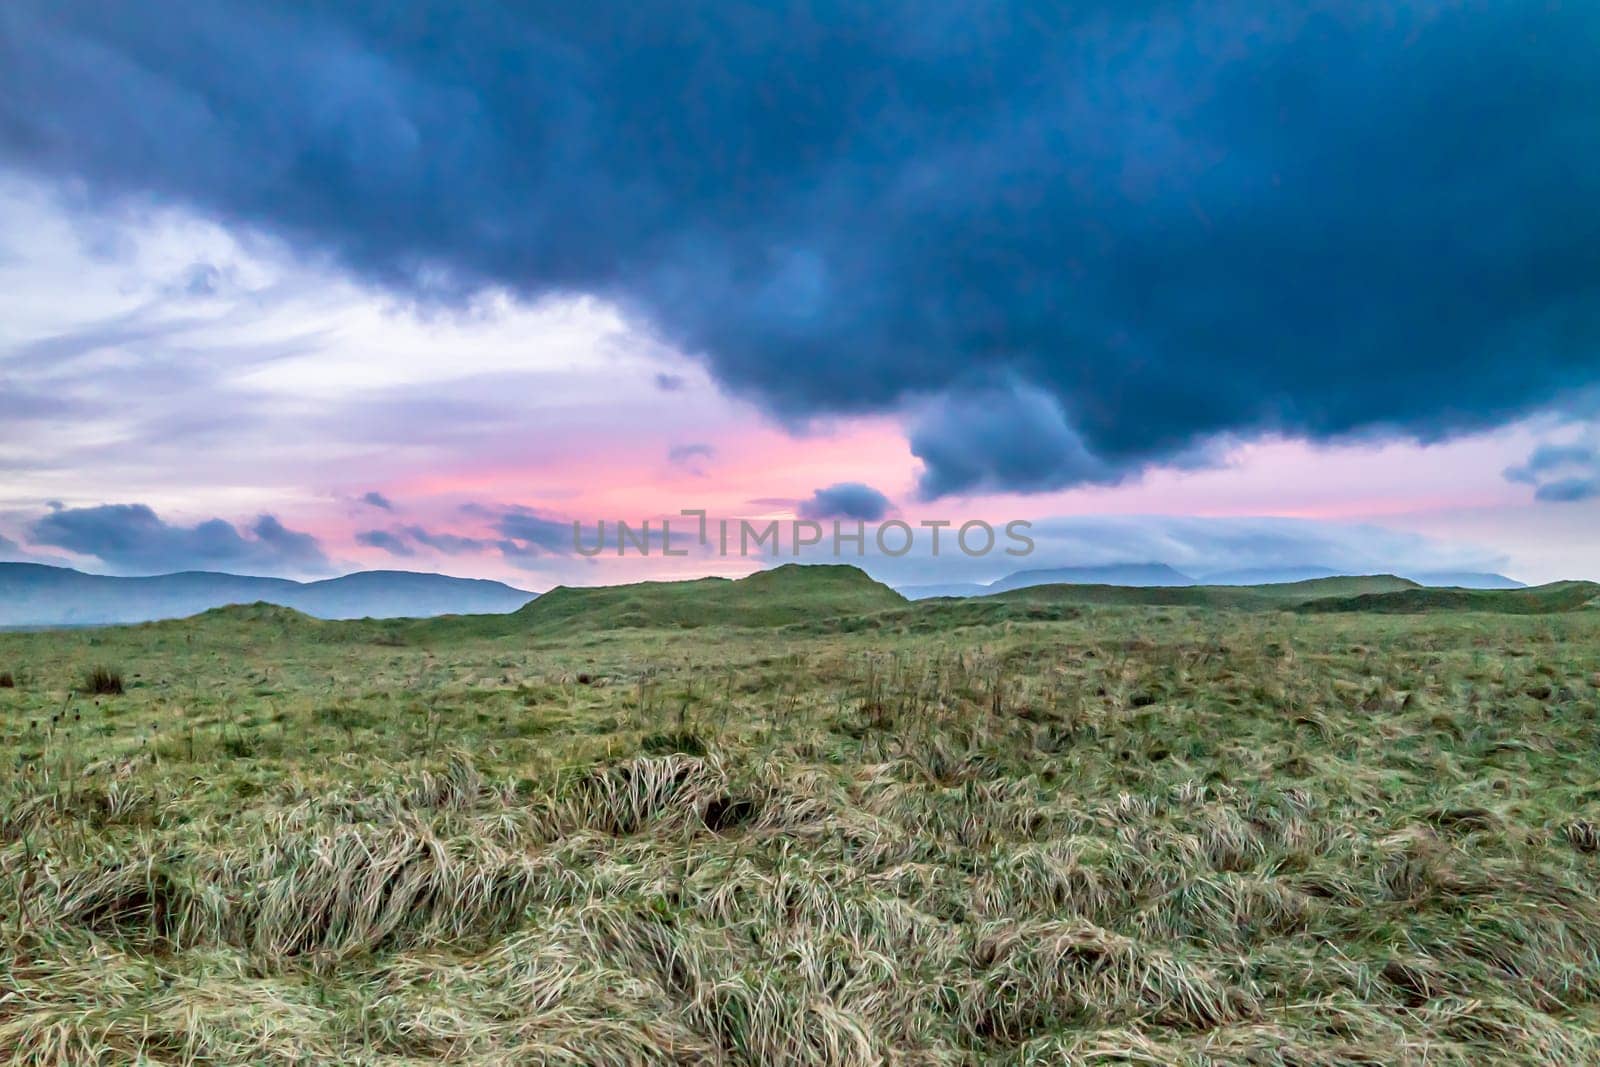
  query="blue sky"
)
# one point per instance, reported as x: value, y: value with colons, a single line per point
x: 265, y: 266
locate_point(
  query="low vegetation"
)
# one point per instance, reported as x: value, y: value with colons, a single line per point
x: 102, y: 681
x: 783, y: 595
x: 824, y: 827
x: 1374, y: 593
x: 1538, y: 600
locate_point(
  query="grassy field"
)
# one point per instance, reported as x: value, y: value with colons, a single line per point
x: 828, y: 828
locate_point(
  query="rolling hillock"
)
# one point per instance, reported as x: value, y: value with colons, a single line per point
x: 781, y: 596
x: 1241, y: 597
x: 253, y: 614
x: 1535, y: 600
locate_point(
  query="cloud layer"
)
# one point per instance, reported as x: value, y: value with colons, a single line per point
x: 1160, y: 224
x: 1191, y: 544
x: 1560, y: 473
x: 845, y: 500
x: 133, y: 539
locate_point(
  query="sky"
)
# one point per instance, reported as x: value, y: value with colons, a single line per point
x: 300, y: 289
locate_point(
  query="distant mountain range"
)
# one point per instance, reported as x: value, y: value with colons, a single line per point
x: 1145, y: 575
x: 33, y: 595
x: 36, y: 595
x: 1135, y: 575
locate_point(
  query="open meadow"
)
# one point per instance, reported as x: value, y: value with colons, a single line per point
x: 826, y: 827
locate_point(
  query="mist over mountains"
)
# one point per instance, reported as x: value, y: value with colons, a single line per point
x: 36, y: 595
x: 1144, y: 575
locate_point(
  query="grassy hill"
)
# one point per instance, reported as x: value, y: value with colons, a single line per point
x: 261, y: 613
x: 1240, y: 597
x: 1339, y: 585
x: 1537, y: 600
x: 788, y: 594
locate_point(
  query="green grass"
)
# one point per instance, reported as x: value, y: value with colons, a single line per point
x: 783, y: 595
x: 1379, y: 593
x: 1226, y: 597
x: 1538, y: 600
x: 824, y: 827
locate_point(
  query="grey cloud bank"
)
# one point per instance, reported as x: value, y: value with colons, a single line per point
x: 1132, y: 228
x: 1197, y: 546
x: 133, y: 539
x: 1560, y: 473
x: 845, y: 500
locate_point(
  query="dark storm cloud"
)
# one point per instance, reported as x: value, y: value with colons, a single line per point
x: 1569, y: 490
x: 390, y: 542
x: 688, y: 452
x: 521, y: 554
x: 290, y: 546
x: 536, y: 532
x: 1550, y: 457
x: 690, y: 457
x: 1002, y: 437
x: 527, y: 536
x: 845, y: 500
x: 1166, y: 221
x: 404, y: 540
x: 133, y: 538
x: 1560, y: 473
x: 448, y: 543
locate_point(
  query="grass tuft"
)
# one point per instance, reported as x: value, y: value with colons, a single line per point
x: 103, y: 681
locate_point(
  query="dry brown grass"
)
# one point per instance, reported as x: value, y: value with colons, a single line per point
x: 1140, y: 836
